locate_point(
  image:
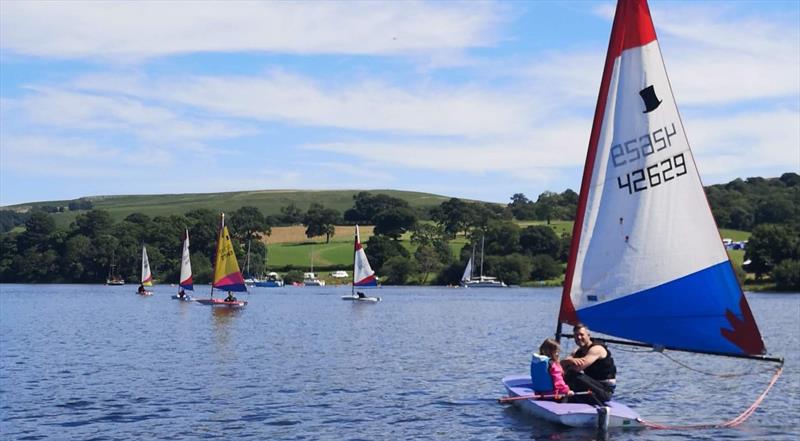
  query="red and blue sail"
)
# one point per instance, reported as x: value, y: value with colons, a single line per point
x: 647, y: 262
x: 362, y: 272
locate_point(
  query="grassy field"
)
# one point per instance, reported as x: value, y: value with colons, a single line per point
x: 268, y: 201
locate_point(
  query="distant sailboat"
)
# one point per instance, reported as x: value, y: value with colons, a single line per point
x: 646, y: 262
x: 185, y: 282
x: 147, y: 276
x: 227, y: 276
x: 114, y: 278
x: 363, y: 276
x: 468, y: 281
x: 310, y: 278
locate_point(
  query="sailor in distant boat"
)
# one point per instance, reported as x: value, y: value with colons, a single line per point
x: 590, y: 367
x: 141, y: 289
x: 230, y: 297
x: 182, y: 294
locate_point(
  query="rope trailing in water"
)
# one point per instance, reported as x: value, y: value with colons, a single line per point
x: 732, y: 423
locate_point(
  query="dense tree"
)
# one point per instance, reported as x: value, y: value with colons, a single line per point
x: 501, y: 237
x: 787, y: 275
x: 248, y: 223
x: 367, y: 206
x: 397, y: 270
x: 321, y: 221
x: 521, y: 207
x: 291, y: 215
x: 452, y: 215
x: 93, y: 223
x: 380, y: 249
x: 80, y: 204
x: 540, y: 239
x: 544, y: 267
x: 769, y: 245
x: 10, y: 219
x: 394, y: 222
x: 38, y: 228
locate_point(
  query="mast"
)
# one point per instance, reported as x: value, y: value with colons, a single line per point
x: 483, y: 239
x: 355, y: 250
x: 219, y: 238
x: 247, y: 261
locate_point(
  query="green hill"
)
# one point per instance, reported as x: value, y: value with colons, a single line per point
x: 268, y: 201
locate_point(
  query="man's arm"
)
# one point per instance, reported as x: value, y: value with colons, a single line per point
x: 595, y: 353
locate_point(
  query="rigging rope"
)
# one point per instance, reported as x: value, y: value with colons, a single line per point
x: 732, y: 423
x: 710, y: 374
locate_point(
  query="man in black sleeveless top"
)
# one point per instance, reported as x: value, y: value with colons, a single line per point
x: 590, y: 367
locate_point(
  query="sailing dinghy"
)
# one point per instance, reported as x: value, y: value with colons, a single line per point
x: 363, y: 276
x: 147, y: 276
x: 227, y: 276
x: 186, y: 272
x: 646, y: 263
x: 468, y: 281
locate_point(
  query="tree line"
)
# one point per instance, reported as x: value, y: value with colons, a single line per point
x: 85, y: 250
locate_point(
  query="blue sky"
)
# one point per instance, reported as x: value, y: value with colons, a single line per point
x: 477, y: 100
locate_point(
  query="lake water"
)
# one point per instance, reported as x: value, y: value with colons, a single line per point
x: 96, y: 362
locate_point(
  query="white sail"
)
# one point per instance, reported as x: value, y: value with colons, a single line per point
x: 363, y: 275
x: 467, y: 276
x: 147, y: 276
x: 186, y: 266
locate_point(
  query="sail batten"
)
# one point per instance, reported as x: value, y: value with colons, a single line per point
x: 646, y: 261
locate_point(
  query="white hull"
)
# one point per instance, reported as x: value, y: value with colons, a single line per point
x: 484, y: 284
x: 314, y: 282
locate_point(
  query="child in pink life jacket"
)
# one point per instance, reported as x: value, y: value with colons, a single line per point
x: 546, y: 372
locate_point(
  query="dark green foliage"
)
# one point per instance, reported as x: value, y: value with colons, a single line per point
x: 380, y: 249
x: 10, y: 219
x: 544, y: 267
x: 293, y: 276
x: 501, y: 237
x: 80, y: 204
x: 741, y: 204
x: 93, y: 223
x: 290, y: 215
x: 321, y: 221
x: 248, y: 223
x: 787, y: 275
x: 540, y: 239
x: 366, y: 207
x: 397, y: 270
x: 769, y: 245
x: 394, y: 222
x: 512, y: 269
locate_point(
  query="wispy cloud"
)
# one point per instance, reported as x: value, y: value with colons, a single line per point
x: 127, y: 31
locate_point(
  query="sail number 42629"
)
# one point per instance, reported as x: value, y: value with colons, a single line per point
x: 654, y: 175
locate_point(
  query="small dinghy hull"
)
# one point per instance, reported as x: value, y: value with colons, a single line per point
x: 221, y: 302
x: 184, y: 298
x: 362, y: 299
x: 568, y: 414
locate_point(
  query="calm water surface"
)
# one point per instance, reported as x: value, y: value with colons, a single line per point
x: 97, y: 362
